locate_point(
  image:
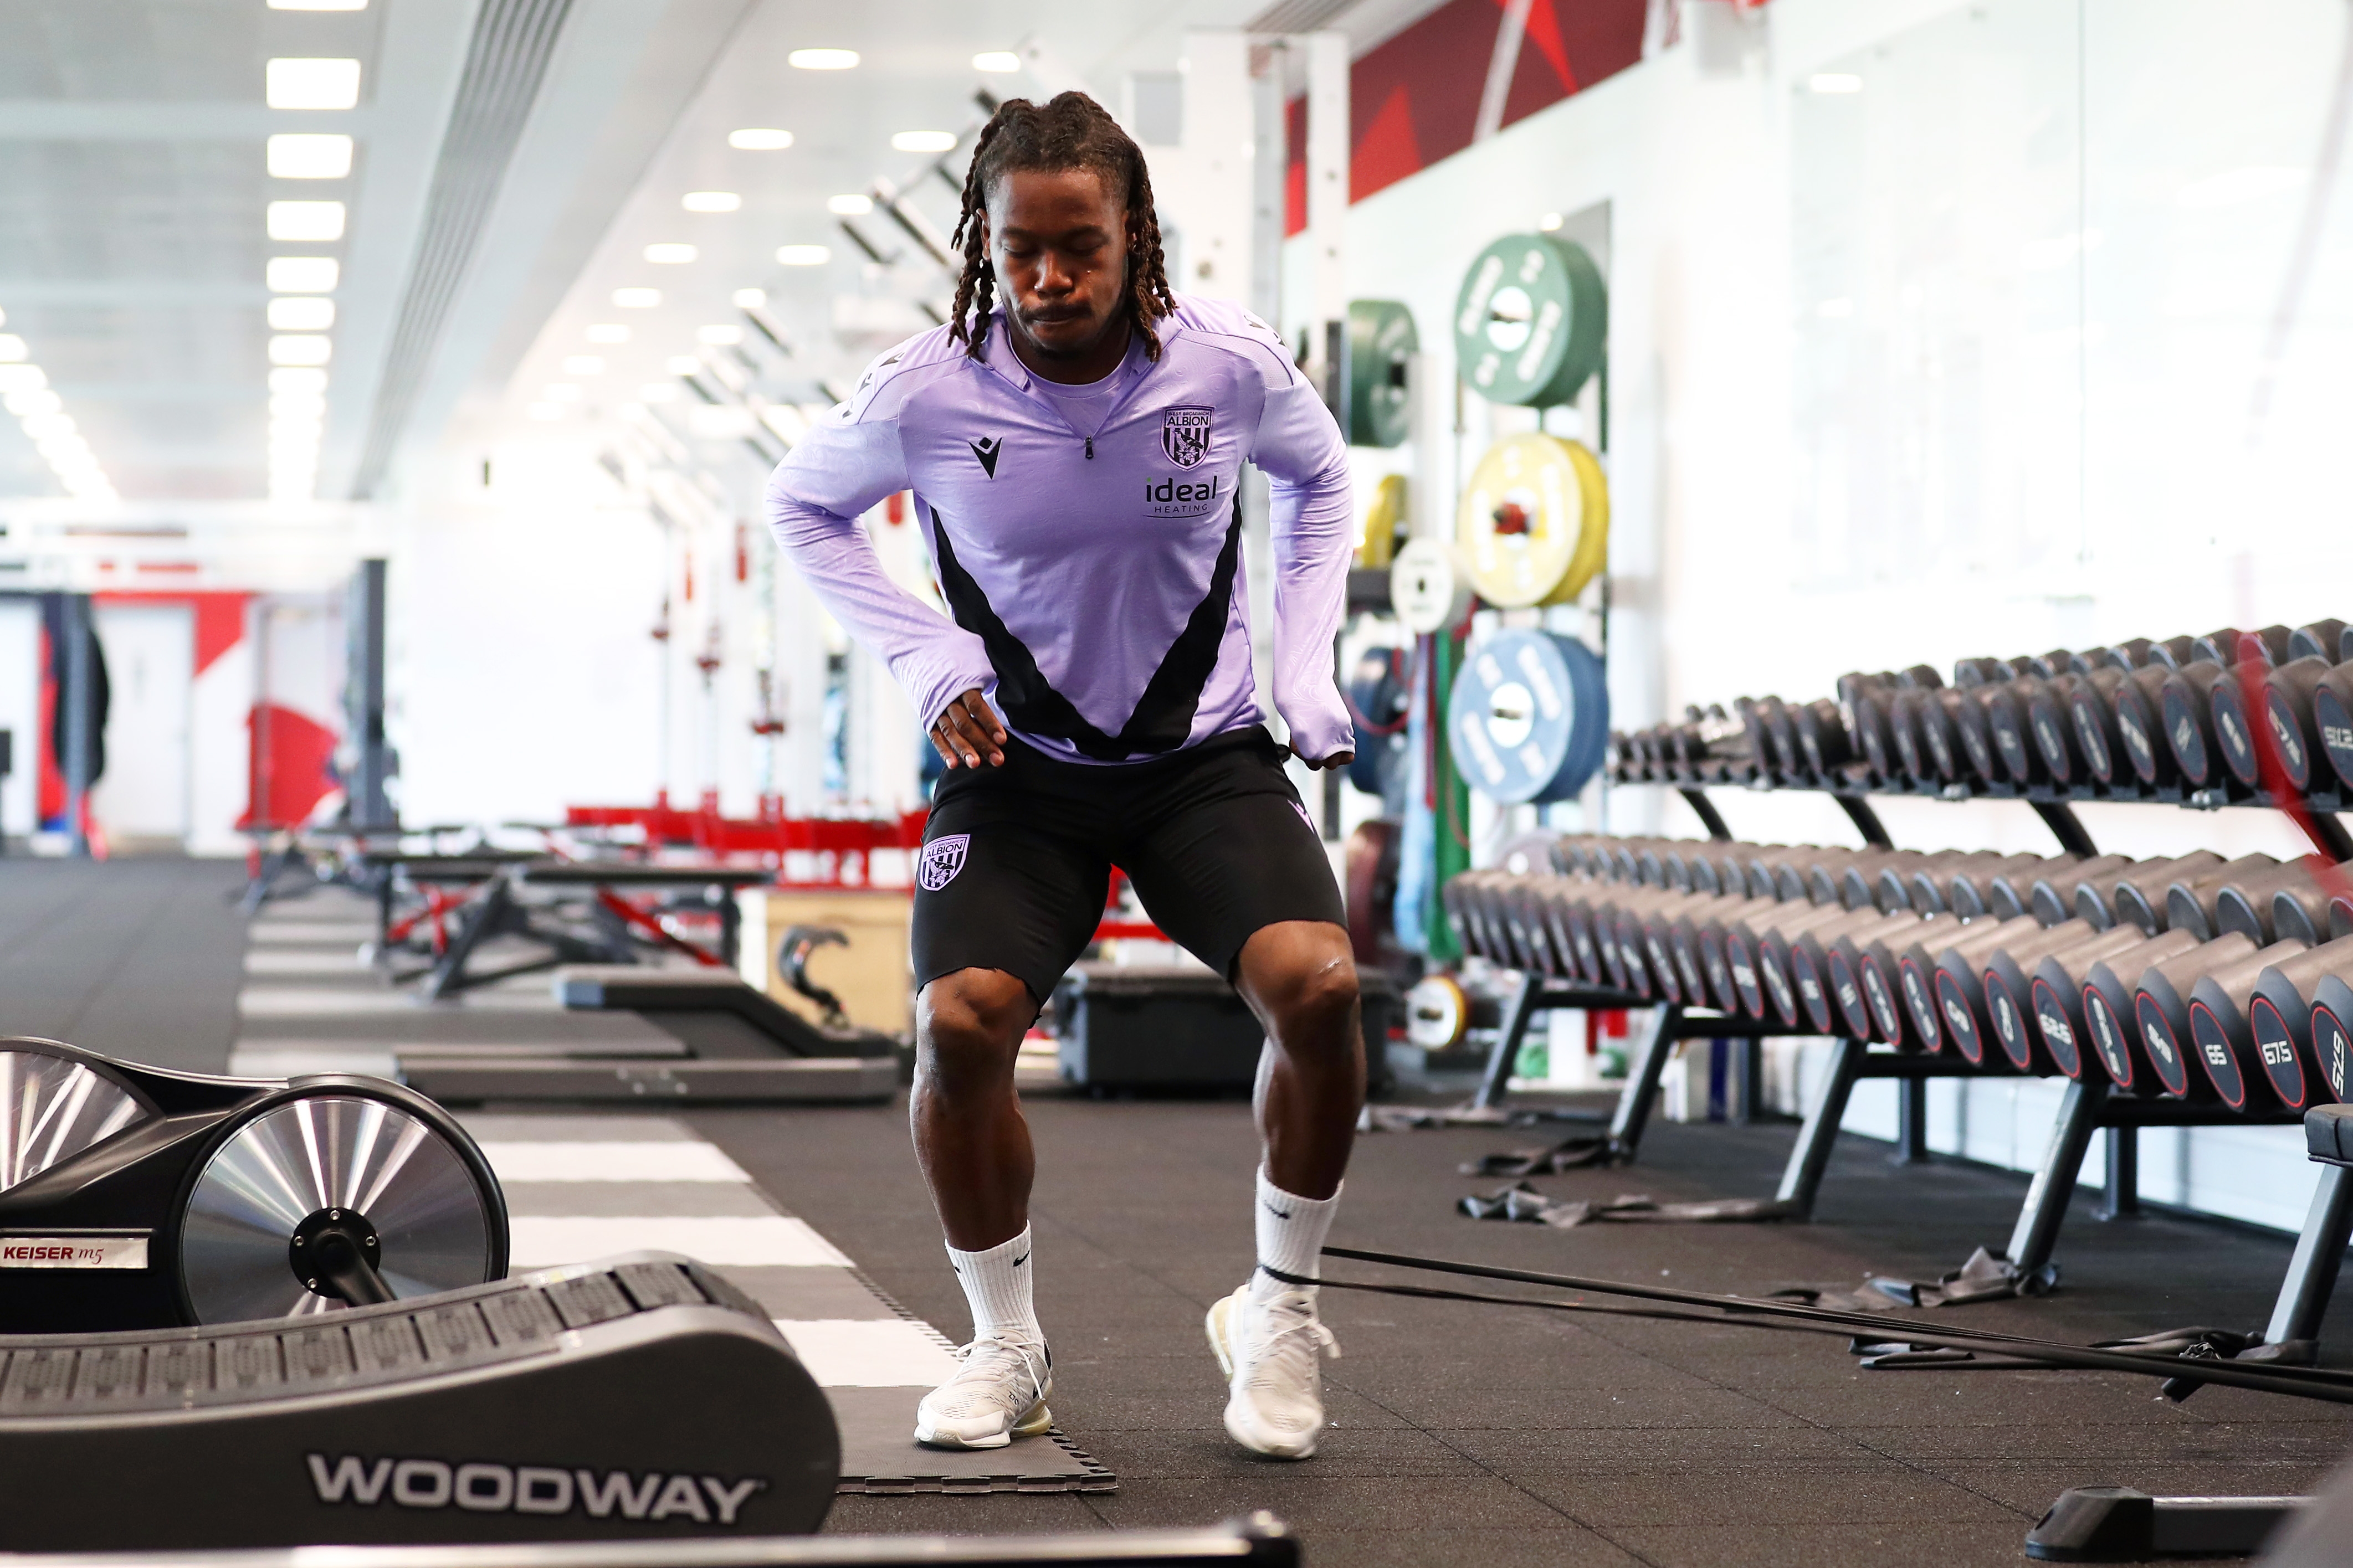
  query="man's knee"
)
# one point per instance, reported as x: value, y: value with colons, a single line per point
x: 1315, y: 999
x: 969, y: 1025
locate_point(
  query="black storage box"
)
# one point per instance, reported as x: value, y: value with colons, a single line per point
x: 1165, y: 1026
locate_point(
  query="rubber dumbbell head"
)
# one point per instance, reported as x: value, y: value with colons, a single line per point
x: 2321, y: 640
x: 1917, y: 966
x: 1971, y: 890
x: 2004, y: 998
x: 2250, y: 904
x: 1960, y: 985
x: 1842, y: 973
x: 2092, y: 714
x: 2112, y: 1026
x: 2138, y: 701
x: 2051, y: 897
x: 1810, y: 973
x: 2219, y: 1033
x: 2054, y: 997
x: 2280, y: 1019
x: 2230, y: 644
x: 2050, y: 724
x: 1882, y: 976
x: 2161, y: 1006
x: 2193, y: 903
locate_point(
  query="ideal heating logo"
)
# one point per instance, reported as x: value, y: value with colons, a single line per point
x: 483, y: 1487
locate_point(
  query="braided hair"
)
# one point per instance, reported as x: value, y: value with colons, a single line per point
x: 1072, y: 132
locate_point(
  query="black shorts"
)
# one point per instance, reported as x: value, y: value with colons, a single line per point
x: 1017, y: 859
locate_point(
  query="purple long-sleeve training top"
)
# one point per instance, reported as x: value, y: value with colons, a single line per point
x: 1088, y: 547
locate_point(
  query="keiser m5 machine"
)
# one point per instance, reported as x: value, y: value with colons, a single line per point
x: 135, y: 1198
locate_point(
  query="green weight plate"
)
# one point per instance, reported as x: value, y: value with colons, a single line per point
x: 1381, y: 343
x: 1531, y: 321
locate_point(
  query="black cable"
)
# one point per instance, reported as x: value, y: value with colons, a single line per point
x: 2311, y: 1383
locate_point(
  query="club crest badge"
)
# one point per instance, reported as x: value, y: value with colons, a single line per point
x: 1184, y: 436
x: 942, y: 858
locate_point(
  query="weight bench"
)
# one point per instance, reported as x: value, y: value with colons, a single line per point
x: 736, y: 1044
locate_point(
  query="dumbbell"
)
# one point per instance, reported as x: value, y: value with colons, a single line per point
x: 2252, y: 905
x: 2142, y: 896
x: 2307, y: 702
x: 1971, y: 673
x: 2324, y: 640
x: 2161, y: 1008
x: 2110, y: 1022
x: 1864, y: 962
x: 1531, y: 934
x: 1931, y: 889
x: 1989, y: 888
x: 1645, y: 931
x: 1729, y: 962
x: 1960, y: 988
x: 1569, y: 912
x: 1772, y: 936
x: 1686, y: 945
x: 1743, y: 941
x: 2219, y: 1031
x: 2205, y: 724
x: 1912, y: 876
x: 2280, y: 1021
x: 2137, y: 705
x: 2050, y: 720
x: 1917, y: 964
x: 1832, y: 993
x: 2049, y: 1006
x: 2095, y: 897
x: 2007, y: 702
x: 2227, y: 647
x: 2052, y: 897
x: 2193, y: 903
x: 1844, y: 877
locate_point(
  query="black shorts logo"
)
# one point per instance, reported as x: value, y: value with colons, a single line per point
x: 942, y: 858
x: 1184, y: 436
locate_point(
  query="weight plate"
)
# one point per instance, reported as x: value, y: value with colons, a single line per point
x: 1525, y: 525
x: 1437, y: 1013
x: 330, y: 1151
x: 1531, y: 321
x: 1381, y: 346
x: 1593, y: 530
x: 1428, y: 587
x: 51, y: 1108
x: 1531, y: 716
x: 1385, y: 525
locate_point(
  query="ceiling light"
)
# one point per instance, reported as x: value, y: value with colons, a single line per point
x: 720, y: 337
x: 607, y: 332
x: 300, y: 313
x: 300, y: 350
x: 748, y: 299
x: 996, y: 62
x: 1838, y: 309
x: 760, y: 139
x: 583, y: 364
x: 682, y: 364
x: 545, y: 411
x: 1549, y: 222
x: 296, y: 405
x: 924, y: 141
x: 304, y: 274
x: 803, y: 256
x: 16, y: 378
x: 561, y: 392
x: 12, y: 349
x: 309, y: 156
x: 286, y: 378
x: 822, y: 60
x: 4, y: 318
x: 48, y: 427
x: 1835, y: 81
x: 849, y: 206
x: 23, y: 403
x: 291, y: 428
x: 710, y: 201
x: 318, y: 5
x: 637, y: 299
x: 312, y: 84
x: 657, y: 392
x: 306, y: 220
x: 670, y: 255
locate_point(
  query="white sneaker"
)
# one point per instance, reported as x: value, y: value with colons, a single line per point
x: 999, y: 1395
x: 1268, y: 1350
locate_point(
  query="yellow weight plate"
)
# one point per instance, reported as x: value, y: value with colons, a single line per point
x: 1384, y: 523
x: 1522, y: 519
x: 1593, y: 539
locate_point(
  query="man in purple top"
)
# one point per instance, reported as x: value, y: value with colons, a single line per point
x: 1075, y: 453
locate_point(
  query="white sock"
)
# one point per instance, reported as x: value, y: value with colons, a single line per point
x: 1291, y: 1232
x: 996, y: 1284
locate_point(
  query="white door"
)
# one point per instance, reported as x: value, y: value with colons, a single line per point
x: 150, y: 669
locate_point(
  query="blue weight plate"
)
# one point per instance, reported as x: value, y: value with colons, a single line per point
x: 1529, y: 717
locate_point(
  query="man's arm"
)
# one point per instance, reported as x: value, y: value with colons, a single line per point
x: 1313, y: 529
x: 849, y: 461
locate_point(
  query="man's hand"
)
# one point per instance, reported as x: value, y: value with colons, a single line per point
x: 968, y: 733
x: 1337, y: 760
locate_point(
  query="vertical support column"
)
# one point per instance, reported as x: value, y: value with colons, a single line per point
x: 1642, y: 1074
x: 2122, y: 1200
x: 370, y: 808
x: 75, y: 691
x: 1910, y: 1123
x: 1512, y: 1029
x: 1801, y: 1179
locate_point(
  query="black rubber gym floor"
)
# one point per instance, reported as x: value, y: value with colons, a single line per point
x: 1479, y: 1434
x: 1463, y: 1435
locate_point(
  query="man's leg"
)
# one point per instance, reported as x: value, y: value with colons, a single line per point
x: 1300, y: 978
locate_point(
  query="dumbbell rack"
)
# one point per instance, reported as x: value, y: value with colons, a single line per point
x: 2087, y: 1106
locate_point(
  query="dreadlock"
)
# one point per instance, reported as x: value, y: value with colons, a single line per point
x: 1072, y: 132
